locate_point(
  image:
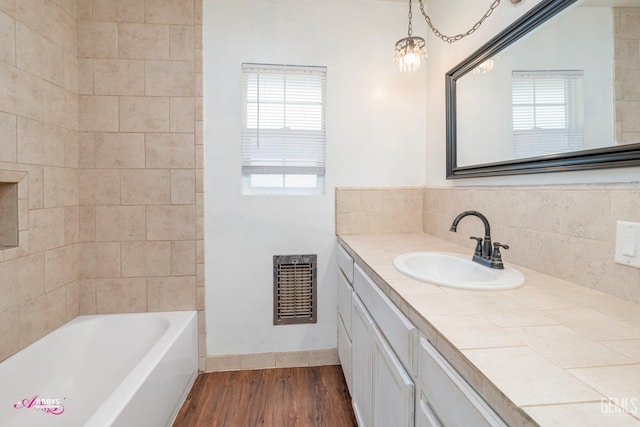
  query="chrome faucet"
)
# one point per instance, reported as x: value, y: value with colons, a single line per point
x: 485, y: 253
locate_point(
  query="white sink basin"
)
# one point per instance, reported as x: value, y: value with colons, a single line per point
x: 456, y: 271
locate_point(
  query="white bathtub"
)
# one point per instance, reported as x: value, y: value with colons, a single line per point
x: 98, y: 371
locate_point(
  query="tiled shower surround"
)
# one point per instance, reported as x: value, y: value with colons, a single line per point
x: 564, y: 231
x: 101, y: 106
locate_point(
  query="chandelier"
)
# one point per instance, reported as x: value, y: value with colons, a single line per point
x: 411, y: 50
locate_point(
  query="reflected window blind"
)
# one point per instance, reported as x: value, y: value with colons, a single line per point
x: 283, y: 119
x: 547, y: 112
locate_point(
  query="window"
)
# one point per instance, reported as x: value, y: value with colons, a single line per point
x: 283, y: 137
x: 547, y: 112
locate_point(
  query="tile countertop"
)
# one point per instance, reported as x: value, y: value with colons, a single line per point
x: 550, y: 353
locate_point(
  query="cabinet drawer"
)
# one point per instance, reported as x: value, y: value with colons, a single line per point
x: 401, y: 334
x: 453, y: 400
x: 344, y: 353
x: 344, y: 301
x: 345, y: 262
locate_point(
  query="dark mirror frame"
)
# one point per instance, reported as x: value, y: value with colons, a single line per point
x: 600, y: 158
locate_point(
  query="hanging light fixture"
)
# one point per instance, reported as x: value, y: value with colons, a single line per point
x: 410, y: 51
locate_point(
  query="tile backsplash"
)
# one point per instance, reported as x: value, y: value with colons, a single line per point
x: 564, y: 231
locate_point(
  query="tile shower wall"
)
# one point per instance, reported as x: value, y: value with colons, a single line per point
x: 564, y: 231
x: 140, y: 157
x: 39, y: 288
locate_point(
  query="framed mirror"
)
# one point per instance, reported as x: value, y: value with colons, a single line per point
x: 558, y: 90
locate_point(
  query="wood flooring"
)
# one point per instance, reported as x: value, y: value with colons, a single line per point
x: 310, y: 396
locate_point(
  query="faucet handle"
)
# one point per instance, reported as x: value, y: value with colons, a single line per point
x: 496, y: 255
x: 478, y: 249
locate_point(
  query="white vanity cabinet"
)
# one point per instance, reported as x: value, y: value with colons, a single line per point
x: 345, y: 332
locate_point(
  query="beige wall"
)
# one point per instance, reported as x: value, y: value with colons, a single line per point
x: 140, y: 156
x: 564, y: 231
x: 627, y: 66
x: 101, y: 113
x: 38, y: 137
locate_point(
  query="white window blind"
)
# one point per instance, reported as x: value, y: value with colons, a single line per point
x: 283, y: 137
x: 547, y: 112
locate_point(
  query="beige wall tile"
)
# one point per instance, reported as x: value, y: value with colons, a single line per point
x: 224, y: 363
x: 586, y: 214
x: 99, y: 260
x: 99, y: 186
x: 36, y: 187
x: 170, y: 11
x: 72, y: 224
x: 20, y: 92
x: 98, y: 113
x: 170, y: 150
x: 169, y: 78
x: 183, y: 258
x: 258, y: 361
x: 61, y: 267
x: 181, y: 42
x: 181, y: 115
x: 38, y: 55
x: 86, y: 150
x: 60, y: 106
x: 146, y: 187
x: 8, y: 130
x: 118, y: 10
x: 171, y: 222
x: 85, y: 76
x: 9, y: 333
x: 171, y: 293
x: 144, y: 114
x: 144, y: 41
x: 60, y: 187
x: 119, y: 150
x: 71, y: 71
x: 120, y: 223
x: 146, y: 259
x: 71, y: 149
x: 46, y: 229
x: 42, y: 315
x: 84, y: 9
x: 87, y: 296
x: 21, y: 279
x: 29, y: 13
x: 292, y: 359
x: 73, y: 300
x: 118, y: 77
x: 121, y: 296
x: 183, y: 185
x: 60, y: 26
x: 87, y: 220
x: 8, y: 35
x: 97, y: 39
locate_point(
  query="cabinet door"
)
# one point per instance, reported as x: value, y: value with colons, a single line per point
x: 344, y: 301
x: 362, y: 327
x: 453, y: 400
x: 393, y: 389
x: 425, y: 416
x: 344, y: 353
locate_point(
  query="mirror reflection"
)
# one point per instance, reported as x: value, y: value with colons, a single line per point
x: 571, y: 84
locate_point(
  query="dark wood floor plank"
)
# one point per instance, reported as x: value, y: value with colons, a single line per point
x: 290, y: 397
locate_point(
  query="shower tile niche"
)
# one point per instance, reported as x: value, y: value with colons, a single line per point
x: 14, y: 212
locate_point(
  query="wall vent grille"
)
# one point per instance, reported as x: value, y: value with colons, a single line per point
x: 294, y: 289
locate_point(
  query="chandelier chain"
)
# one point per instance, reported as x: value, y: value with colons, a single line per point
x: 451, y: 39
x: 410, y: 16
